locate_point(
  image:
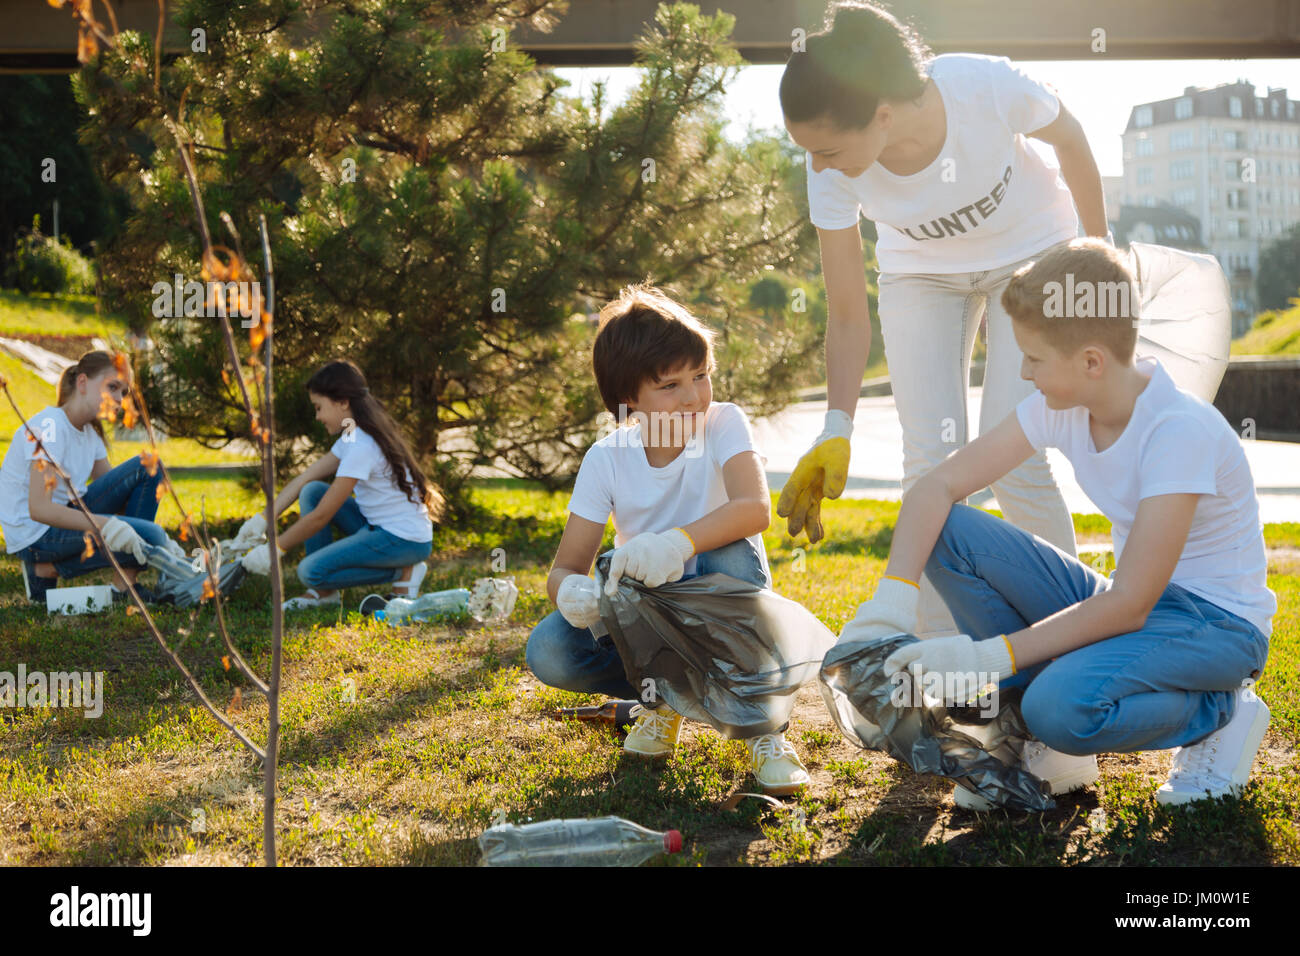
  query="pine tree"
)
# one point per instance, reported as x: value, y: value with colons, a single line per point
x: 440, y: 210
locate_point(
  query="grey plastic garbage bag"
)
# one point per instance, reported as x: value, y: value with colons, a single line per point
x: 180, y: 584
x: 719, y: 650
x: 924, y: 734
x: 1186, y: 315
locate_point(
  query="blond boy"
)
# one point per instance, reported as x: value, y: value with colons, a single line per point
x: 1163, y: 653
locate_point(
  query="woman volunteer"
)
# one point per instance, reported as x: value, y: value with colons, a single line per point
x: 934, y: 151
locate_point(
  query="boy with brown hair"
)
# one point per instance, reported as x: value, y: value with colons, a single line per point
x: 687, y: 493
x: 1164, y: 652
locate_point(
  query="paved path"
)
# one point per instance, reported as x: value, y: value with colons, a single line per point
x: 876, y: 468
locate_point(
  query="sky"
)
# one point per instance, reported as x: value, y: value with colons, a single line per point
x: 1099, y: 95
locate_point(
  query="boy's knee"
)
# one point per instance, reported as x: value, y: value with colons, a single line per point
x: 737, y: 559
x: 311, y: 494
x: 1063, y: 723
x: 534, y: 649
x: 955, y: 529
x: 543, y: 644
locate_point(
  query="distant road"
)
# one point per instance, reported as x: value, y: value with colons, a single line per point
x: 876, y: 468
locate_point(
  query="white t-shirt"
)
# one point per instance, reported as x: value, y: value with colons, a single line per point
x: 381, y: 502
x: 75, y: 449
x: 1175, y: 443
x: 988, y: 199
x: 616, y: 478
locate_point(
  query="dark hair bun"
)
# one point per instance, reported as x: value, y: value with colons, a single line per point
x: 862, y: 56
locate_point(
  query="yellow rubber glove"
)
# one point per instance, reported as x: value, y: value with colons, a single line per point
x: 822, y: 472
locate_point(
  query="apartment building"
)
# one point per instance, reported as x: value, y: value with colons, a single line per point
x: 1227, y: 157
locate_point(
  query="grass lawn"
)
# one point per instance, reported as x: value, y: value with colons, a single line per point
x: 43, y: 314
x: 400, y: 745
x: 33, y: 393
x: 1273, y: 333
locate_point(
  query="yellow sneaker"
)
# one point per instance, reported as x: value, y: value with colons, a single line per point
x: 776, y: 765
x: 655, y: 732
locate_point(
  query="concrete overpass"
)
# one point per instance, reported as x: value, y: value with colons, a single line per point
x: 38, y: 38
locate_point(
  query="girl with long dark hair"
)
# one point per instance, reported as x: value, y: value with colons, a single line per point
x: 386, y: 529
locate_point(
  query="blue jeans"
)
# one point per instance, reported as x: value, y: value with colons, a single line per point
x: 1166, y: 685
x: 572, y: 658
x: 129, y: 492
x: 365, y: 555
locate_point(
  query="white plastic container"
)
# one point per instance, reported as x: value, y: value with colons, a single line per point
x: 82, y: 600
x: 493, y: 599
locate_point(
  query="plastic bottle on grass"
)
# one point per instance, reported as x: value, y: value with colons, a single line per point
x: 424, y: 607
x: 606, y: 841
x: 493, y: 599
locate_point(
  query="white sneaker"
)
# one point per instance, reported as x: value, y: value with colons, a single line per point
x: 310, y: 599
x: 411, y: 587
x: 1219, y: 765
x: 777, y: 767
x: 1063, y: 773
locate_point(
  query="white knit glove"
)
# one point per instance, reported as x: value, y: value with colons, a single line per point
x: 892, y: 610
x: 653, y: 559
x: 579, y: 600
x: 258, y: 560
x: 251, y: 533
x: 120, y: 536
x: 958, y: 666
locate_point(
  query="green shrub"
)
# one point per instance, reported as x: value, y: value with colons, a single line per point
x: 40, y: 264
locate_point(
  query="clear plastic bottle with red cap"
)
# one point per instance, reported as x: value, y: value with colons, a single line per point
x: 605, y: 841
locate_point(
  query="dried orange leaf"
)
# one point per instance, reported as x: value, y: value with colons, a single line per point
x: 50, y: 482
x: 214, y: 267
x: 40, y: 464
x: 225, y: 661
x: 208, y: 589
x: 86, y: 46
x: 90, y: 546
x: 236, y: 702
x: 149, y: 458
x: 132, y: 609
